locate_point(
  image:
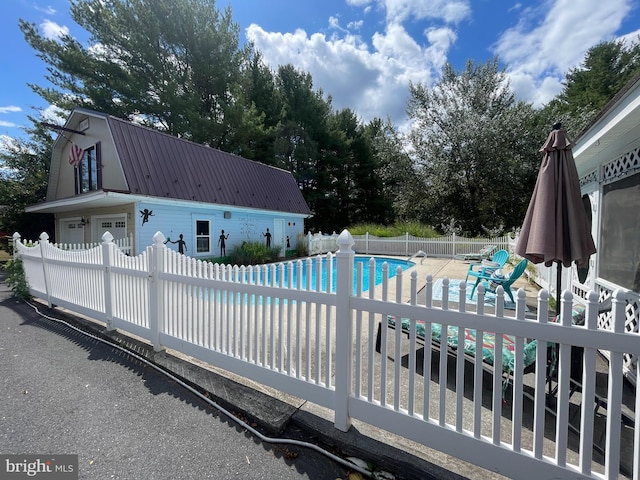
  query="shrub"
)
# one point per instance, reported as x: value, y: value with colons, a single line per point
x: 302, y: 247
x: 253, y: 253
x: 17, y: 280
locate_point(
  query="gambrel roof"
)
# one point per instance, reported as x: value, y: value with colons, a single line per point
x: 144, y: 164
x: 160, y: 165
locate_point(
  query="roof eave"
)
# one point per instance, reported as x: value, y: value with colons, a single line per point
x: 101, y: 199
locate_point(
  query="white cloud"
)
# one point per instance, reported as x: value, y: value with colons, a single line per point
x: 5, y: 142
x: 371, y: 74
x: 440, y: 41
x: 553, y: 38
x: 359, y: 3
x: 52, y: 30
x: 53, y: 114
x: 10, y: 109
x: 47, y: 10
x: 630, y: 38
x: 374, y: 83
x: 449, y: 11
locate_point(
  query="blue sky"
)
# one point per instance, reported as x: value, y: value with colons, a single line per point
x: 364, y: 53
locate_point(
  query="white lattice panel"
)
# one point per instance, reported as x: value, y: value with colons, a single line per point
x: 621, y: 166
x: 632, y: 320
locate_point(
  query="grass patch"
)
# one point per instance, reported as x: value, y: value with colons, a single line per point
x: 396, y: 230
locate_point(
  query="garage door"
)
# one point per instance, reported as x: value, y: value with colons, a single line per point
x: 71, y: 231
x: 116, y: 225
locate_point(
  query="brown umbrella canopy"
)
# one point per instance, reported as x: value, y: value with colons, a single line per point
x: 556, y: 227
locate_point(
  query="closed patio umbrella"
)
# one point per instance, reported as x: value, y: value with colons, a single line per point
x: 556, y: 227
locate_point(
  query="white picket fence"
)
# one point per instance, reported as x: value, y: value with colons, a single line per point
x: 445, y: 246
x: 124, y: 244
x: 448, y: 246
x: 291, y: 336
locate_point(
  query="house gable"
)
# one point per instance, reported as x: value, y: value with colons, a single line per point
x: 87, y: 130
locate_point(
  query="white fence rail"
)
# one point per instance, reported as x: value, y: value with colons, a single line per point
x: 318, y: 243
x: 124, y: 244
x: 273, y: 327
x: 407, y: 245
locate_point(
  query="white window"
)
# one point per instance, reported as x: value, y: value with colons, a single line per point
x: 620, y: 233
x: 203, y: 236
x: 88, y: 172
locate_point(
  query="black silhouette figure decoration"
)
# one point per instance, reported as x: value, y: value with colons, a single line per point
x: 146, y: 213
x: 288, y: 242
x: 221, y: 239
x: 268, y: 235
x: 182, y: 245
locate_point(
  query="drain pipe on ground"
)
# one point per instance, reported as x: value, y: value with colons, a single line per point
x: 263, y: 438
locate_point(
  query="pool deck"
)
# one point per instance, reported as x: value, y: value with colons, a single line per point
x: 424, y: 462
x: 457, y: 269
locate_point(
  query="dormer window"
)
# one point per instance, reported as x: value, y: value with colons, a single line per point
x: 88, y: 175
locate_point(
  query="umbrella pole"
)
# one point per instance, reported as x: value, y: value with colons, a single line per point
x: 558, y: 286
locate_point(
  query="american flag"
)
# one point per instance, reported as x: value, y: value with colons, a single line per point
x: 75, y: 155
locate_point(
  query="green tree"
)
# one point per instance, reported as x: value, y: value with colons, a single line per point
x: 473, y: 149
x: 355, y: 188
x: 605, y: 70
x: 173, y: 64
x: 263, y: 95
x: 23, y: 182
x: 301, y: 142
x: 401, y: 198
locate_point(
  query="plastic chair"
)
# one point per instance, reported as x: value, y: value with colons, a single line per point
x: 498, y: 261
x: 485, y: 252
x: 506, y: 284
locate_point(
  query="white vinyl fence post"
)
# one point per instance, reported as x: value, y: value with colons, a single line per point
x: 344, y: 289
x: 42, y: 245
x: 107, y: 260
x: 16, y: 240
x: 614, y: 390
x: 454, y: 245
x: 156, y: 266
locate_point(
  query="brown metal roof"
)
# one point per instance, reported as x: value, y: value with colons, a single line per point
x: 160, y: 165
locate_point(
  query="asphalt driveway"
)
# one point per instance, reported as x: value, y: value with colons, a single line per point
x: 63, y: 393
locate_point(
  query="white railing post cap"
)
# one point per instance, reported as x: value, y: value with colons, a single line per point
x: 107, y: 237
x: 345, y: 241
x: 159, y: 238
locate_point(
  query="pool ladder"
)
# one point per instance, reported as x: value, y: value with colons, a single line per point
x: 419, y: 253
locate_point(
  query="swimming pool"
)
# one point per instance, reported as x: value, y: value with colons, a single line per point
x: 379, y: 261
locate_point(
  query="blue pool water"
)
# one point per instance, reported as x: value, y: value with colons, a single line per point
x: 392, y: 263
